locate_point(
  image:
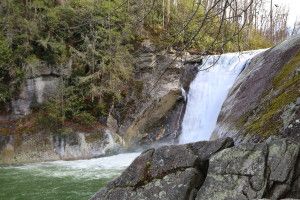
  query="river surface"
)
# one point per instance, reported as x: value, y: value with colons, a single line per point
x: 60, y: 180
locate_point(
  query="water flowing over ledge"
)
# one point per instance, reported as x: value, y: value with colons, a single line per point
x: 208, y: 92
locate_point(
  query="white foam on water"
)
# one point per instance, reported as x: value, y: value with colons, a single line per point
x: 119, y: 161
x: 208, y: 91
x: 105, y: 167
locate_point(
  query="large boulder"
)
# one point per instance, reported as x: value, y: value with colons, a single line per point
x: 264, y: 101
x: 213, y: 170
x: 253, y: 171
x: 169, y: 172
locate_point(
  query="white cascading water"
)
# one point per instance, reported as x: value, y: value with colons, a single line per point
x: 208, y: 91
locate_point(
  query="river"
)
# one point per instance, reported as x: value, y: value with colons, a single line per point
x: 61, y: 180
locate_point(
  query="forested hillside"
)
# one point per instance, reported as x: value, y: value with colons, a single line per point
x: 100, y: 39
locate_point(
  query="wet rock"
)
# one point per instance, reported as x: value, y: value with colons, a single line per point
x: 4, y: 140
x: 154, y: 106
x: 152, y: 112
x: 155, y: 110
x: 189, y: 75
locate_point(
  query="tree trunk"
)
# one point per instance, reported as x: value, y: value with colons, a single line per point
x: 168, y: 12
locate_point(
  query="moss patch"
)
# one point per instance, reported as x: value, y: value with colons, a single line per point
x: 266, y: 120
x: 283, y: 79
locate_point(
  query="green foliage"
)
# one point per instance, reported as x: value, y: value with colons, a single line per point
x: 51, y: 118
x: 98, y: 37
x: 11, y: 76
x: 192, y: 28
x: 5, y: 58
x: 4, y: 94
x: 93, y: 34
x: 257, y: 41
x: 85, y: 118
x: 5, y: 53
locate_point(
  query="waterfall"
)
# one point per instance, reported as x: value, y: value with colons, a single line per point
x: 208, y: 91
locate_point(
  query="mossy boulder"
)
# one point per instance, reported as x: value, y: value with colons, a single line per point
x: 263, y: 101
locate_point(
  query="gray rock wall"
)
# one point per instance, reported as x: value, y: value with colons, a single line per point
x: 155, y: 114
x: 214, y: 170
x: 41, y: 83
x: 34, y: 92
x: 41, y: 147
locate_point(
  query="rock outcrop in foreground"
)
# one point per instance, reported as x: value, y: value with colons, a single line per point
x: 211, y: 170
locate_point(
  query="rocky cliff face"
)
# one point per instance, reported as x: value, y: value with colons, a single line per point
x: 265, y: 100
x: 152, y: 111
x: 211, y: 171
x: 41, y: 83
x: 41, y: 147
x: 155, y: 114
